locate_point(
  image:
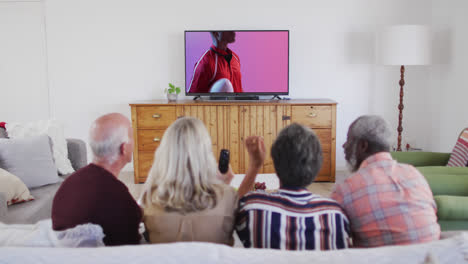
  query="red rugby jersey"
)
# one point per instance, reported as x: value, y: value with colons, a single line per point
x: 212, y: 66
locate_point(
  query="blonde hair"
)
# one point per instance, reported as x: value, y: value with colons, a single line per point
x: 183, y: 175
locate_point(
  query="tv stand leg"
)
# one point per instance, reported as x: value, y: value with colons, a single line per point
x: 276, y: 97
x: 197, y: 97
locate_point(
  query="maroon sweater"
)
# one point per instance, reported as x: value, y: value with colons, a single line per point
x: 93, y: 195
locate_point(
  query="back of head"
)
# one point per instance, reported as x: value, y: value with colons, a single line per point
x: 183, y: 174
x: 297, y: 156
x: 373, y: 129
x: 107, y: 134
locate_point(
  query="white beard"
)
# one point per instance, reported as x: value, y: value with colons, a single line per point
x: 351, y: 164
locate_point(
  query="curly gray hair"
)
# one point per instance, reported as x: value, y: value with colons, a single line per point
x: 297, y: 156
x: 375, y: 130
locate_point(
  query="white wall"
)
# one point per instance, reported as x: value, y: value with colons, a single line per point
x: 448, y: 90
x: 23, y: 63
x: 103, y: 54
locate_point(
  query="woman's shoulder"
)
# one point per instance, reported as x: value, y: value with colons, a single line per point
x: 153, y: 209
x: 226, y: 193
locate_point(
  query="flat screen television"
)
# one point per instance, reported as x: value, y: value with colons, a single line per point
x: 236, y: 63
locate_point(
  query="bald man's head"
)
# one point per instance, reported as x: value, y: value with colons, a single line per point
x: 111, y: 138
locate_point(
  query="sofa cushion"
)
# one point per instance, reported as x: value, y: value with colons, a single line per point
x: 420, y: 158
x: 54, y: 130
x: 459, y: 156
x: 443, y: 170
x: 30, y: 159
x: 453, y: 225
x: 452, y: 207
x: 14, y: 189
x: 34, y: 211
x: 446, y: 180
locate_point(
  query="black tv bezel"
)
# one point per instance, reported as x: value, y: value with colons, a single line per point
x: 232, y: 94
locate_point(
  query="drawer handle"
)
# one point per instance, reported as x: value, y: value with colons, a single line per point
x: 312, y: 115
x: 156, y: 139
x: 156, y: 116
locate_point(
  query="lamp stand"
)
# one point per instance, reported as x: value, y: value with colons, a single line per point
x: 401, y: 106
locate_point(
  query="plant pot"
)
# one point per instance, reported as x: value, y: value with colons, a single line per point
x: 172, y: 97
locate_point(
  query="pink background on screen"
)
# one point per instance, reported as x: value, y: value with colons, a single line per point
x: 263, y: 57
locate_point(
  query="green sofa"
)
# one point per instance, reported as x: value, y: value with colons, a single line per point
x: 448, y: 184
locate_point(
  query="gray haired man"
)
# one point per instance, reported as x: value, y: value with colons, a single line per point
x: 93, y: 194
x: 387, y: 203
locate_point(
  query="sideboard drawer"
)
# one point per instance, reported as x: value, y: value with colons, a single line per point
x: 155, y: 117
x: 149, y: 140
x: 312, y: 116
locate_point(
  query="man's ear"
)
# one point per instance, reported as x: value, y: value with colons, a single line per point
x: 363, y: 146
x: 122, y: 149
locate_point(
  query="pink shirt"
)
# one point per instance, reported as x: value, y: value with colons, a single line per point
x: 388, y: 203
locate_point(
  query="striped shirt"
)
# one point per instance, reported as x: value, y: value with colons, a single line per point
x: 291, y: 219
x: 388, y: 204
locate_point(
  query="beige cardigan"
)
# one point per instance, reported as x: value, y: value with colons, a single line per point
x: 210, y: 225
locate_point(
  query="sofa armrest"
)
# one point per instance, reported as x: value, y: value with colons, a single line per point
x: 77, y: 153
x: 3, y: 206
x: 3, y: 133
x: 421, y: 159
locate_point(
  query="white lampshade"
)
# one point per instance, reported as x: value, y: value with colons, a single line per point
x: 405, y: 45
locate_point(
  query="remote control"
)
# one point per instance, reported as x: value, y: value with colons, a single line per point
x: 223, y: 161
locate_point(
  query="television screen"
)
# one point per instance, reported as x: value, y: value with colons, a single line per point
x: 237, y: 62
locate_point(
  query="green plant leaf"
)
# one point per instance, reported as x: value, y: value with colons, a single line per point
x: 177, y: 89
x: 171, y: 85
x: 171, y: 90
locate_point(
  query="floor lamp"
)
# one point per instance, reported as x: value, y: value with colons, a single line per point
x: 404, y: 45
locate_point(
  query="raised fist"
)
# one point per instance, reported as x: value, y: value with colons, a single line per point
x: 256, y: 149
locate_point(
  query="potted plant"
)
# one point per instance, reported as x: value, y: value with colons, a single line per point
x: 172, y: 92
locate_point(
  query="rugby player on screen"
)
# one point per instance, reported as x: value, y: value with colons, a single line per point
x: 218, y: 69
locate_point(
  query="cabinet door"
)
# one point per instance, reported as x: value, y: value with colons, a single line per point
x: 321, y: 120
x: 145, y: 162
x: 270, y: 131
x: 222, y: 123
x: 265, y: 121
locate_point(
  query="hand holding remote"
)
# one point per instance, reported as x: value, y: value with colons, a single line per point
x: 226, y: 177
x: 225, y: 171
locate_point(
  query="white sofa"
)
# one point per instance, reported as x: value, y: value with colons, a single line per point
x: 450, y: 250
x: 38, y: 243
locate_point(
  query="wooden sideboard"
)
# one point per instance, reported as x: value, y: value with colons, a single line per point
x: 229, y: 123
